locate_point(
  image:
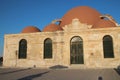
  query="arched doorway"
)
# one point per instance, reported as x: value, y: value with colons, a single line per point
x: 76, y: 50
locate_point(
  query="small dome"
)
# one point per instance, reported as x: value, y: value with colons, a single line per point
x: 84, y: 13
x: 30, y: 29
x: 52, y: 27
x: 104, y: 24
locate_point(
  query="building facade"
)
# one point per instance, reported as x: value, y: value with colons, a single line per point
x: 77, y: 41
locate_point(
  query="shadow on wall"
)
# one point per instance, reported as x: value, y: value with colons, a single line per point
x: 58, y: 67
x: 31, y: 77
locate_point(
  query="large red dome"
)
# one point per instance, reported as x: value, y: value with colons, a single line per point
x: 104, y: 24
x: 52, y: 27
x: 83, y: 13
x: 30, y: 29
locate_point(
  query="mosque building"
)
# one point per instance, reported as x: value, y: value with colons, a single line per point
x: 84, y: 38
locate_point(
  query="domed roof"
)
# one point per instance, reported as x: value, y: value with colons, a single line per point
x: 52, y: 27
x: 30, y: 29
x: 104, y: 24
x: 83, y: 13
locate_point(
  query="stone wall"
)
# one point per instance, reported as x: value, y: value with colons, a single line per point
x: 92, y: 48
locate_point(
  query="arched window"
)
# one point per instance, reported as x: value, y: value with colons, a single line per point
x: 108, y: 47
x: 48, y: 48
x: 76, y: 50
x: 22, y: 49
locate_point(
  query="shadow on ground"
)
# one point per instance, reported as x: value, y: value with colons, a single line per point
x: 118, y: 71
x: 58, y: 67
x: 15, y: 71
x: 30, y: 77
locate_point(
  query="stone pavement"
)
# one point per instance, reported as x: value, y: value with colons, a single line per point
x: 58, y: 74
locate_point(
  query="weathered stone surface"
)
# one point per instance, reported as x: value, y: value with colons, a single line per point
x: 92, y: 46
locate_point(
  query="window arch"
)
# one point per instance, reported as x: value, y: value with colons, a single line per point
x: 48, y: 48
x: 108, y: 47
x: 22, y: 49
x: 76, y: 50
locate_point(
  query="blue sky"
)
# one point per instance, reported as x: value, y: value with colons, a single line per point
x: 17, y: 14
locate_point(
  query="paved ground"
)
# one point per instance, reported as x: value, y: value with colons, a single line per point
x: 58, y: 74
